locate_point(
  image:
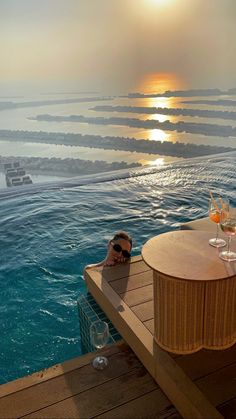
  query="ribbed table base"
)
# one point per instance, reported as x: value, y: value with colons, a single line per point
x: 191, y: 315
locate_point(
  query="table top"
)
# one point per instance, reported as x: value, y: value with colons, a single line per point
x: 187, y: 255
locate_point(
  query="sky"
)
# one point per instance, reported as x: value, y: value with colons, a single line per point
x: 118, y: 45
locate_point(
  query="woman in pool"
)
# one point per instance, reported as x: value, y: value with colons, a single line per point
x: 119, y: 250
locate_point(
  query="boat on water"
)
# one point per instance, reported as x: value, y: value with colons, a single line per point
x: 16, y: 175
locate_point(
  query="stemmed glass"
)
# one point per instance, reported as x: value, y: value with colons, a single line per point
x: 99, y: 336
x: 215, y: 208
x: 228, y: 225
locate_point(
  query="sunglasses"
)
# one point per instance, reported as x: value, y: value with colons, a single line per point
x: 119, y: 249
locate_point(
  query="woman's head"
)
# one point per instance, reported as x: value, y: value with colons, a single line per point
x: 122, y: 235
x: 120, y: 245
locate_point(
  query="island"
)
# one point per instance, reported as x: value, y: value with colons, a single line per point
x: 35, y: 103
x: 201, y: 113
x: 165, y: 148
x: 180, y: 126
x: 185, y: 93
x: 65, y: 167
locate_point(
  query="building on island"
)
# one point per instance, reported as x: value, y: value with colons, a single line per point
x: 16, y: 175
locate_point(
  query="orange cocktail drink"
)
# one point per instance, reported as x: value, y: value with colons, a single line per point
x: 214, y: 216
x: 216, y: 205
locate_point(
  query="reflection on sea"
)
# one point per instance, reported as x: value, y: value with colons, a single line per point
x: 159, y: 135
x: 157, y: 162
x: 160, y: 102
x: 160, y: 118
x: 159, y: 83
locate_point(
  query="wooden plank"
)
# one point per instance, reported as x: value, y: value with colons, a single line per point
x: 54, y: 371
x: 144, y: 311
x: 100, y: 399
x: 137, y: 258
x: 150, y: 405
x: 219, y: 386
x: 228, y: 409
x: 71, y: 383
x: 150, y: 325
x: 204, y: 362
x: 124, y: 270
x: 138, y: 296
x: 132, y: 282
x: 220, y: 389
x: 171, y: 413
x: 190, y: 402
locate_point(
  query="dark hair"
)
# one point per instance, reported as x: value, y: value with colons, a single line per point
x: 123, y: 235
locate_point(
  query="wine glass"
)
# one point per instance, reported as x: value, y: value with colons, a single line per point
x: 99, y: 335
x: 228, y: 225
x: 215, y: 208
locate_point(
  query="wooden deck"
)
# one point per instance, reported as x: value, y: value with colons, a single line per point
x: 125, y: 390
x: 200, y: 385
x: 75, y: 390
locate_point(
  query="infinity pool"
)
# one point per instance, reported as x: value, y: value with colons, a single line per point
x: 50, y: 233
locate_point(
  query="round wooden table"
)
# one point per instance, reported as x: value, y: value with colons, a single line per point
x: 194, y: 292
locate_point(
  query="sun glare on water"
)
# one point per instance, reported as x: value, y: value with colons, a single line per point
x: 158, y: 135
x: 159, y: 83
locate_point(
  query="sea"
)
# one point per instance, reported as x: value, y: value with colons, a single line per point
x: 49, y: 231
x: 18, y: 119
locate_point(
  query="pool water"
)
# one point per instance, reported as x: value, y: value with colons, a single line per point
x: 48, y: 235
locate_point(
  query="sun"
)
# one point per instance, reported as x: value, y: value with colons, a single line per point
x: 160, y: 2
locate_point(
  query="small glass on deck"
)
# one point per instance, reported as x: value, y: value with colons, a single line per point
x: 99, y: 335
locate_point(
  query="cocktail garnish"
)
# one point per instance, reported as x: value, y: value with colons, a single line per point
x: 223, y: 205
x: 214, y: 201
